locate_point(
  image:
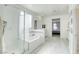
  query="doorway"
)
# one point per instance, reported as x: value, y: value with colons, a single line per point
x: 56, y: 26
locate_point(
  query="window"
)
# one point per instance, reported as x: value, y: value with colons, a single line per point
x: 25, y: 23
x: 28, y: 25
x: 21, y: 25
x: 28, y: 21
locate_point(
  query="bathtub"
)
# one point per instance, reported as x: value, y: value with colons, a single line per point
x: 35, y: 40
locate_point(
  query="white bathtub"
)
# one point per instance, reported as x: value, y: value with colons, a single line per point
x: 35, y: 39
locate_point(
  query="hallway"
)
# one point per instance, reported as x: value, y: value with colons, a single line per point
x: 54, y: 45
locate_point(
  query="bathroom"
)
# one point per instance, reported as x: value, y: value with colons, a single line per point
x: 29, y: 32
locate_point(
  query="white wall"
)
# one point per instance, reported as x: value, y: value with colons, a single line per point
x: 39, y: 22
x: 63, y: 25
x: 1, y: 10
x: 10, y: 41
x: 11, y: 15
x: 77, y: 27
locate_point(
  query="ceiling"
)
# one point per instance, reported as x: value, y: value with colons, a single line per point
x: 47, y: 9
